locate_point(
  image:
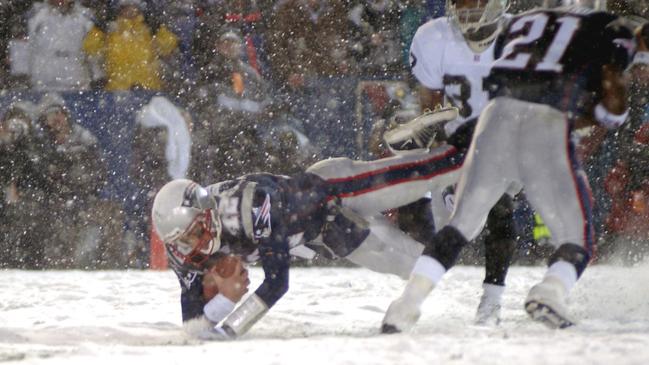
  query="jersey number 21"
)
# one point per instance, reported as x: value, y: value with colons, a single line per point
x: 518, y: 53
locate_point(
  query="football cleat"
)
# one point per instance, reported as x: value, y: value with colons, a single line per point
x: 488, y: 313
x: 546, y: 303
x: 401, y: 316
x: 422, y: 131
x: 404, y: 312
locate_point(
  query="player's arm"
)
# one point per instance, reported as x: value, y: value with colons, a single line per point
x: 612, y: 109
x: 270, y: 231
x: 425, y: 65
x: 275, y: 261
x: 429, y: 98
x: 199, y: 313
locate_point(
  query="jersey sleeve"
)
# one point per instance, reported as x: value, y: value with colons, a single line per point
x: 620, y: 43
x: 271, y: 231
x: 426, y: 52
x: 191, y: 295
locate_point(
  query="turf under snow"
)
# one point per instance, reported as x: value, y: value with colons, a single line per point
x: 330, y: 316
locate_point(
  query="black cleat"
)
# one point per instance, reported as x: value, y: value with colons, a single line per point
x: 389, y: 329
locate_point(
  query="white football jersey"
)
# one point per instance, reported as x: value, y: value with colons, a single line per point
x: 440, y: 59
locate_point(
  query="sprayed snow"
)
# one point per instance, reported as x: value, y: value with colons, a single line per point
x: 330, y: 316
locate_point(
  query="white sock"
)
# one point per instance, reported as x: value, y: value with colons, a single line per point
x: 565, y: 272
x: 429, y: 268
x: 493, y: 292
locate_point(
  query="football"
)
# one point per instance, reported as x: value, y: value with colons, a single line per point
x: 224, y: 267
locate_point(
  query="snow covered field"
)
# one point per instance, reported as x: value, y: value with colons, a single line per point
x: 330, y: 316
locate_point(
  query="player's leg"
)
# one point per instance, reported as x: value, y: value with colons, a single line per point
x: 500, y: 243
x: 558, y: 190
x: 371, y: 187
x: 371, y: 242
x: 387, y: 249
x: 484, y: 179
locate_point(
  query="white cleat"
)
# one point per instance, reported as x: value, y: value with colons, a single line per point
x: 401, y: 316
x: 420, y: 132
x: 546, y: 303
x: 488, y: 313
x: 404, y: 312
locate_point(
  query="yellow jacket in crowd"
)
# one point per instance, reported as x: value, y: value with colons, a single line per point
x: 131, y: 52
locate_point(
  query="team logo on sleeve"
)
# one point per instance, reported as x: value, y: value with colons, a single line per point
x: 261, y: 218
x: 188, y: 279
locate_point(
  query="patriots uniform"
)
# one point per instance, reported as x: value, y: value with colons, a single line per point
x: 265, y: 216
x: 523, y: 139
x: 556, y: 57
x: 549, y: 71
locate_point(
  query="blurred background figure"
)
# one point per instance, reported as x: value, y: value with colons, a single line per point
x: 24, y: 184
x: 247, y: 17
x: 230, y: 104
x: 76, y: 174
x: 181, y: 17
x: 131, y: 49
x: 56, y: 33
x: 375, y: 33
x: 314, y: 43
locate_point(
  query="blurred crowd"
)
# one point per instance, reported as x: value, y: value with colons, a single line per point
x: 240, y: 75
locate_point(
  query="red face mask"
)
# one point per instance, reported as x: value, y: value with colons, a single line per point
x: 200, y: 238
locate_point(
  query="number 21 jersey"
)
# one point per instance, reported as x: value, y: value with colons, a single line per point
x: 555, y: 57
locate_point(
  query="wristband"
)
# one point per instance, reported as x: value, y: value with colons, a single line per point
x: 641, y: 58
x: 218, y: 308
x: 608, y: 119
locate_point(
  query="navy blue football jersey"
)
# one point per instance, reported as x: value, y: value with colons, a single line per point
x: 555, y: 57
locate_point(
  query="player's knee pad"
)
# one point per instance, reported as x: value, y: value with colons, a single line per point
x: 344, y: 231
x: 572, y: 253
x: 445, y: 246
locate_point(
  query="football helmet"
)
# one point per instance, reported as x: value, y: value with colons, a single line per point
x: 185, y: 217
x: 478, y: 20
x: 589, y: 4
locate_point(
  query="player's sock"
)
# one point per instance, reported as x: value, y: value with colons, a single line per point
x: 565, y: 272
x: 404, y: 312
x: 488, y: 312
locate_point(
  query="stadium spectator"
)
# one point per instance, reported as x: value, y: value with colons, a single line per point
x: 627, y: 184
x: 375, y: 26
x: 13, y: 31
x: 131, y: 50
x: 181, y: 18
x: 230, y: 103
x: 248, y: 17
x: 314, y: 43
x: 23, y: 208
x: 56, y: 33
x: 76, y: 173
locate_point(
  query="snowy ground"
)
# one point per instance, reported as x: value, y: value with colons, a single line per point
x: 330, y: 316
